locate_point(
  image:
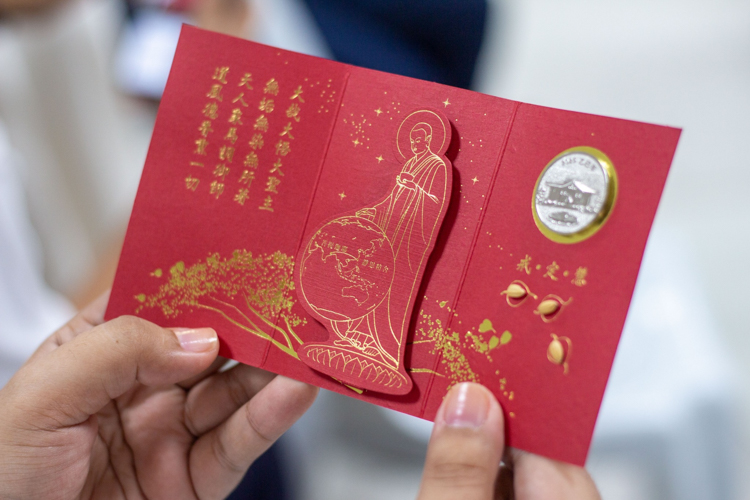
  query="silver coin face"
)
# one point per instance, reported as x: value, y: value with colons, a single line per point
x: 571, y: 193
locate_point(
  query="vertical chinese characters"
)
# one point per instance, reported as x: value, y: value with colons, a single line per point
x: 283, y: 145
x: 237, y: 136
x: 206, y: 131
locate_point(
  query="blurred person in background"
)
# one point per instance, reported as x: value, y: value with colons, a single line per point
x: 29, y: 309
x: 434, y: 40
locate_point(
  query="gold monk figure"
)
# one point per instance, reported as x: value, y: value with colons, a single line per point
x: 370, y: 324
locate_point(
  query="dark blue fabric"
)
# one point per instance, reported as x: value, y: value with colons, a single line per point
x: 265, y: 480
x: 436, y: 40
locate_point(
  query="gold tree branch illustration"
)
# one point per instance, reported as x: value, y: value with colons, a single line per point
x: 269, y: 323
x: 264, y: 281
x: 289, y: 345
x: 259, y: 333
x: 289, y: 327
x: 232, y: 306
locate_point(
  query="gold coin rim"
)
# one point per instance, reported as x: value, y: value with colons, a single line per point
x: 609, y: 202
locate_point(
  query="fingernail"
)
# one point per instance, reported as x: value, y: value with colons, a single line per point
x: 196, y: 339
x: 466, y: 406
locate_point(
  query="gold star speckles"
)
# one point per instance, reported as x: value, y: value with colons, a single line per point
x: 475, y: 180
x: 379, y: 158
x: 378, y: 111
x: 359, y: 127
x: 342, y: 195
x: 446, y: 102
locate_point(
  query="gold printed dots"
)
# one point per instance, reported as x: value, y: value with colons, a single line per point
x: 559, y: 350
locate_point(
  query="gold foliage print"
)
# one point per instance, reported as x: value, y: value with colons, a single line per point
x: 452, y: 345
x: 250, y: 291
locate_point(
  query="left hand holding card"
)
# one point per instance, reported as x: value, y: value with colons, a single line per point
x: 127, y: 408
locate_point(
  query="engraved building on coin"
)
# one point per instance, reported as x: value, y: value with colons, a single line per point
x: 574, y: 195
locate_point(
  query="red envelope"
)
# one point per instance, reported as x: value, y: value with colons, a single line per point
x: 387, y: 238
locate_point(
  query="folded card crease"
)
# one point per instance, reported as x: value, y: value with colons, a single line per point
x: 483, y: 211
x: 336, y: 110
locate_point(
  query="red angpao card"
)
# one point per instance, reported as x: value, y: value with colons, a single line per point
x: 387, y: 238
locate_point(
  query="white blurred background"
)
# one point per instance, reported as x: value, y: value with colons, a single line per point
x: 676, y: 418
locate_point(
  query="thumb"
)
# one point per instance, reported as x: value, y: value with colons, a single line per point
x: 80, y: 377
x: 466, y: 446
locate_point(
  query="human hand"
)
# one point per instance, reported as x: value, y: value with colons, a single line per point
x: 126, y: 409
x: 466, y: 446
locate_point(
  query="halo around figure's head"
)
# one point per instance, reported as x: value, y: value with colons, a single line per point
x: 440, y: 132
